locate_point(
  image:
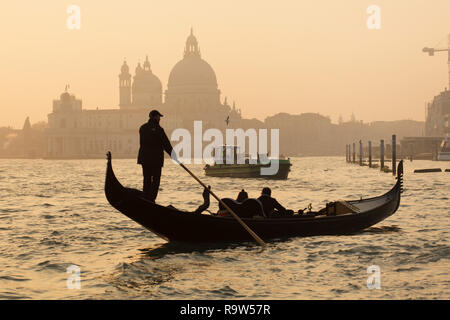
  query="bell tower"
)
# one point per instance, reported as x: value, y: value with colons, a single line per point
x: 125, y: 86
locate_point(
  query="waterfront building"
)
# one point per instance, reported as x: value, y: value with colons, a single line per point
x: 192, y: 94
x: 438, y: 115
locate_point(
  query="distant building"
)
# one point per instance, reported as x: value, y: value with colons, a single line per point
x: 192, y: 94
x: 438, y: 116
x: 436, y: 128
x: 26, y: 143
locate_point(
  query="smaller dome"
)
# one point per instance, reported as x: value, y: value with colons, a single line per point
x: 145, y: 80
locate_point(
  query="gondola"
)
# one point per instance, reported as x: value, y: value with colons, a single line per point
x: 176, y: 225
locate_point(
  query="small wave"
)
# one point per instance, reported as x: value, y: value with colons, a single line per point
x: 42, y: 196
x: 338, y: 291
x: 51, y: 242
x: 407, y: 269
x: 10, y: 210
x: 47, y: 265
x: 25, y: 238
x: 383, y: 229
x: 12, y: 296
x: 368, y: 250
x: 140, y: 276
x: 426, y: 230
x: 225, y: 291
x: 14, y: 278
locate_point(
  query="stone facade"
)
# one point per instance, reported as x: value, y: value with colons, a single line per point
x: 192, y: 94
x: 438, y: 115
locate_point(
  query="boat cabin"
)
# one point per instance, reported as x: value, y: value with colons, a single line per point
x: 230, y: 154
x: 444, y: 152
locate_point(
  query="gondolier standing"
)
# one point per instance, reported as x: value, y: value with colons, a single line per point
x: 153, y: 143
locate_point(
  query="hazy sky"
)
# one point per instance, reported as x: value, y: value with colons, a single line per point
x: 269, y: 56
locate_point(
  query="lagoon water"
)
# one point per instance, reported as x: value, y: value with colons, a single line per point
x: 53, y: 214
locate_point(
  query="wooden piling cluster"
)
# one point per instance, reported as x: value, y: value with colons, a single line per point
x: 350, y: 155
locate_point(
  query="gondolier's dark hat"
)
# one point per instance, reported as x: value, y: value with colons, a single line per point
x: 154, y: 113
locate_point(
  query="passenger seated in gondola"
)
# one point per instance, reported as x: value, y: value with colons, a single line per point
x: 272, y: 208
x: 243, y: 195
x: 243, y: 206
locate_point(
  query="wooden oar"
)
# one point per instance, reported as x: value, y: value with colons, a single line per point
x: 254, y: 235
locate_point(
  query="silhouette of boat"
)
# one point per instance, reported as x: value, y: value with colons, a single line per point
x: 176, y: 225
x: 230, y: 163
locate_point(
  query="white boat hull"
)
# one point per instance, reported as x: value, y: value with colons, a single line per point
x: 443, y: 156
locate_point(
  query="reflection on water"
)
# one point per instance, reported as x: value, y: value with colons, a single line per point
x: 382, y: 229
x: 60, y: 217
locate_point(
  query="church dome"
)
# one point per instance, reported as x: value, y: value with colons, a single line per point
x: 150, y: 81
x: 146, y: 80
x: 192, y: 70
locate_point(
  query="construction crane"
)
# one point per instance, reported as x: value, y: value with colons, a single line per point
x: 431, y: 52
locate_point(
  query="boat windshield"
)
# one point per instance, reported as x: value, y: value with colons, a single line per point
x: 233, y: 155
x: 445, y: 146
x: 227, y: 154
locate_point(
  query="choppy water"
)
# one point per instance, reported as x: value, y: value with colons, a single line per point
x: 54, y: 214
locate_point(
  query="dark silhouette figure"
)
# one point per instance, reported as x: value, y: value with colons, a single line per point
x: 153, y: 143
x: 205, y: 204
x: 270, y: 205
x: 243, y: 195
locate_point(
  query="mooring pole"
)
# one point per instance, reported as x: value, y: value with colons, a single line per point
x: 346, y: 153
x: 381, y: 155
x: 394, y: 155
x: 349, y: 153
x: 360, y: 153
x: 354, y: 152
x: 370, y: 154
x: 411, y: 146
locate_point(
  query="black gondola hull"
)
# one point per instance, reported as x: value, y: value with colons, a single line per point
x: 175, y: 225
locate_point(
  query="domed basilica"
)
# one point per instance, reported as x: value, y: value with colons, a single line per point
x: 192, y: 94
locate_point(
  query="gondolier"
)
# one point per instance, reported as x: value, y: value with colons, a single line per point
x: 153, y: 143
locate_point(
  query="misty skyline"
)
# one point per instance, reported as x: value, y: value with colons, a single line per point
x: 290, y: 57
